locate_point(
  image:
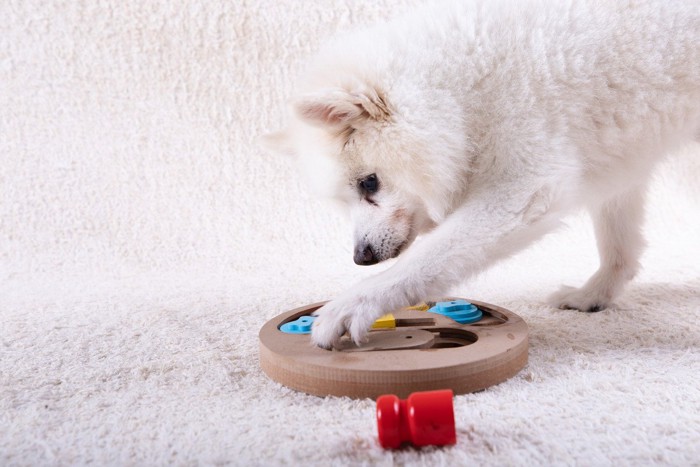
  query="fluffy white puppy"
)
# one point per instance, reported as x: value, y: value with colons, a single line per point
x: 480, y: 124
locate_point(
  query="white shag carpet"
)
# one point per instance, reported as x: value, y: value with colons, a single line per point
x: 145, y: 238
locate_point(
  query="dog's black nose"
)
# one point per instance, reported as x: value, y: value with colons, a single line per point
x: 364, y: 255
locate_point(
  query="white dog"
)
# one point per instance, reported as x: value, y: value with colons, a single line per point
x: 480, y: 124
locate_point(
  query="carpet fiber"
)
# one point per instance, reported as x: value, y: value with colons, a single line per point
x: 145, y: 238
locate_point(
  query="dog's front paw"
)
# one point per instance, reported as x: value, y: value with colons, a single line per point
x: 351, y: 314
x: 583, y: 299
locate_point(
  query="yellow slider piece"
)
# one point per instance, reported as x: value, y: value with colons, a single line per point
x: 388, y: 321
x: 385, y: 322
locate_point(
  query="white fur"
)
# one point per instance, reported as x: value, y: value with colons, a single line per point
x: 486, y: 123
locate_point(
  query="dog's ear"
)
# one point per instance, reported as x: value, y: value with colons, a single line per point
x: 278, y: 142
x: 340, y: 108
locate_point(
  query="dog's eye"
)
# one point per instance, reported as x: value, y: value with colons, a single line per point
x: 369, y: 184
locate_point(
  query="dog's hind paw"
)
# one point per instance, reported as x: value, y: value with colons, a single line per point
x: 583, y: 299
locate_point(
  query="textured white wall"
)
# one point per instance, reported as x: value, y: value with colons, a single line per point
x: 128, y: 130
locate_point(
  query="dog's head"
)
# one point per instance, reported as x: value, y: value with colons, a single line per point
x: 379, y: 159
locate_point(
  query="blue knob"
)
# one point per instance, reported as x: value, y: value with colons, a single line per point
x: 301, y: 326
x: 459, y: 310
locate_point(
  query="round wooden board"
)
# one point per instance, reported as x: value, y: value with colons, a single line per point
x: 425, y: 351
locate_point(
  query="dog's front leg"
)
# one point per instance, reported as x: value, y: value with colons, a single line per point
x: 489, y: 226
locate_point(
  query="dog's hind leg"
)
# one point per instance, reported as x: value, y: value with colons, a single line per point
x: 620, y: 244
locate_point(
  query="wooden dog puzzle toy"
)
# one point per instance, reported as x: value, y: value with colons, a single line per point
x: 463, y: 345
x: 423, y: 419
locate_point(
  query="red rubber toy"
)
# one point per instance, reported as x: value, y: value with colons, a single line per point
x: 423, y: 419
